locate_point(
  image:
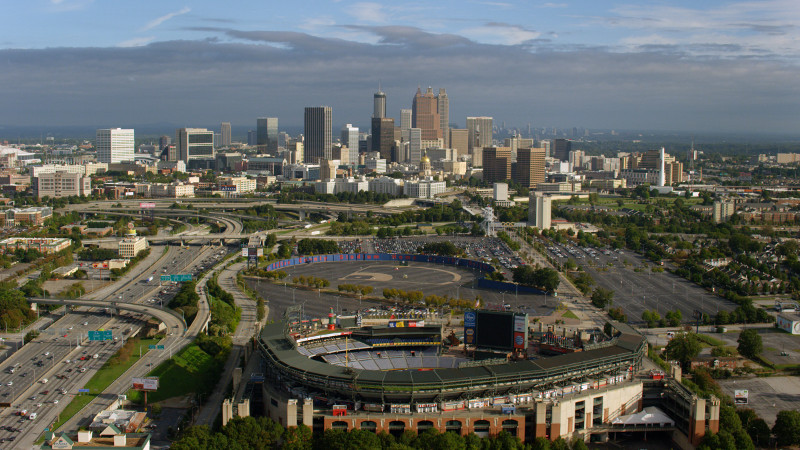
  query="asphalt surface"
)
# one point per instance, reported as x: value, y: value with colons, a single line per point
x: 428, y: 278
x: 637, y: 288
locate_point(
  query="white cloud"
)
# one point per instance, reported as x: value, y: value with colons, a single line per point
x: 368, y: 12
x: 136, y: 42
x: 498, y: 33
x: 158, y: 21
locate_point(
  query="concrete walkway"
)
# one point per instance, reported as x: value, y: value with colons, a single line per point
x: 247, y: 328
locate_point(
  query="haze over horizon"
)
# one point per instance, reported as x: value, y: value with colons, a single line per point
x: 723, y: 66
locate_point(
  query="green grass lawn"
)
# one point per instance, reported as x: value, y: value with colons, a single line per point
x: 101, y: 380
x: 569, y: 315
x: 191, y: 370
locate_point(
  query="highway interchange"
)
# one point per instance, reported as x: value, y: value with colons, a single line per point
x: 65, y: 339
x: 26, y: 389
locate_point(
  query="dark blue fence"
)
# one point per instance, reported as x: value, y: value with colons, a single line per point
x: 460, y: 262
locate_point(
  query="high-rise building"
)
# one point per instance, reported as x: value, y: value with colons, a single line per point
x: 163, y: 142
x: 560, y: 148
x: 252, y: 138
x: 379, y: 105
x: 383, y: 137
x: 194, y: 143
x: 539, y: 207
x: 459, y: 141
x: 350, y: 139
x: 318, y: 133
x: 414, y: 145
x: 225, y: 131
x: 496, y: 164
x: 115, y: 145
x: 480, y: 132
x: 425, y: 115
x: 267, y: 134
x: 530, y: 167
x: 443, y: 104
x: 405, y: 122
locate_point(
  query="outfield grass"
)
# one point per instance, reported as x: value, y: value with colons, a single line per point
x: 110, y: 371
x: 191, y: 370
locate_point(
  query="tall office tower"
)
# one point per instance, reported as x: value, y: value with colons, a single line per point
x: 443, y: 103
x: 379, y: 104
x: 414, y: 145
x: 383, y: 137
x: 496, y: 164
x: 225, y: 131
x: 350, y: 139
x: 480, y: 136
x: 114, y: 145
x: 163, y: 142
x: 530, y: 167
x: 459, y: 141
x: 318, y: 133
x: 425, y: 115
x: 194, y: 143
x: 405, y: 122
x: 267, y: 134
x: 252, y: 138
x: 559, y: 149
x: 539, y: 208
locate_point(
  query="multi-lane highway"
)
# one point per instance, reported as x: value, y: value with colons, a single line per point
x: 46, y: 357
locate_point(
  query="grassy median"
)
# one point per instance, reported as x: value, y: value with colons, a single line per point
x: 117, y: 365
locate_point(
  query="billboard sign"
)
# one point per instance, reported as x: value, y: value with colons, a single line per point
x: 470, y: 320
x: 147, y: 205
x: 520, y: 323
x: 227, y: 188
x: 740, y: 397
x: 145, y: 384
x: 519, y: 340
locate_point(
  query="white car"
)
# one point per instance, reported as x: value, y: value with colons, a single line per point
x: 55, y: 401
x: 10, y: 383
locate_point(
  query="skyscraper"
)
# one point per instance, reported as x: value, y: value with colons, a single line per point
x: 163, y: 142
x: 350, y: 139
x: 414, y: 145
x: 425, y: 115
x: 225, y: 130
x: 559, y: 149
x: 539, y: 209
x: 115, y: 145
x: 318, y: 133
x: 459, y: 141
x: 530, y: 167
x: 480, y: 136
x: 443, y: 103
x: 194, y: 143
x: 405, y: 122
x: 383, y: 136
x: 496, y: 164
x: 379, y: 105
x: 267, y: 134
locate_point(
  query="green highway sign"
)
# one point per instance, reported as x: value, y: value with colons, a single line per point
x: 160, y: 347
x: 155, y: 347
x: 177, y: 277
x: 101, y: 335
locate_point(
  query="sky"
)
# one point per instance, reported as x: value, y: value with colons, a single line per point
x: 710, y: 66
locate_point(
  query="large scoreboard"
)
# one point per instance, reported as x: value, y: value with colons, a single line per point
x: 496, y: 330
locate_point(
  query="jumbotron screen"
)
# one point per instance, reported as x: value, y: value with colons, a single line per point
x: 494, y: 329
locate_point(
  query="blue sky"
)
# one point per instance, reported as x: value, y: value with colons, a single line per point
x: 679, y: 65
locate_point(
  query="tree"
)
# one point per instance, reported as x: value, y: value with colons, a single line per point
x: 683, y: 347
x: 750, y: 344
x: 652, y: 318
x: 787, y: 428
x: 602, y: 297
x: 674, y: 317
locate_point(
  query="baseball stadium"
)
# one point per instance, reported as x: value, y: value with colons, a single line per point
x: 395, y: 375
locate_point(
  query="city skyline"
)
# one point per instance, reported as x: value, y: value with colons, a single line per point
x: 721, y: 67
